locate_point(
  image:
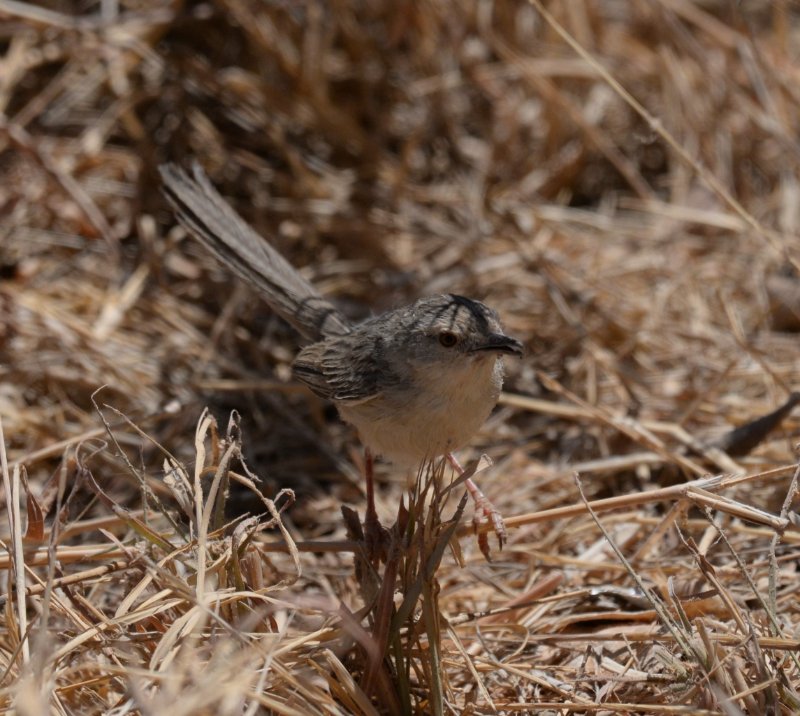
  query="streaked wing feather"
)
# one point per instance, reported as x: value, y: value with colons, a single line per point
x: 346, y: 369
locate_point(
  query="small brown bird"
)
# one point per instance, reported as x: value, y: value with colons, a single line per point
x: 416, y: 382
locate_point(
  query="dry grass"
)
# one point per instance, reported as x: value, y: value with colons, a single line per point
x: 644, y: 245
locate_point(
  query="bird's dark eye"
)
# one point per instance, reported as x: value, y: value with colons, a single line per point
x: 447, y: 339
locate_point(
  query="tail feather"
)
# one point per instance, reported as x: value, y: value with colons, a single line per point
x: 206, y: 215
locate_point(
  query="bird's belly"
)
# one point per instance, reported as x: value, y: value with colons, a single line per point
x: 437, y: 417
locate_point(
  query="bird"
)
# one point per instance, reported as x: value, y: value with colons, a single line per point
x: 416, y: 382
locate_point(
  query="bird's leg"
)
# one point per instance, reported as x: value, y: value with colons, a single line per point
x: 375, y: 533
x: 485, y: 511
x: 369, y: 473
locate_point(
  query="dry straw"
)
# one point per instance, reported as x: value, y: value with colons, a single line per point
x: 618, y: 179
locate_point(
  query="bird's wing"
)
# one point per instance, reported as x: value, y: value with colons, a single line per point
x: 347, y: 369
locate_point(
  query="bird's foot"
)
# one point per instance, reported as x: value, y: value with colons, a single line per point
x: 486, y: 513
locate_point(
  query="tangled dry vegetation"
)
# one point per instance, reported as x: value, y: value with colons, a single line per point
x: 159, y: 559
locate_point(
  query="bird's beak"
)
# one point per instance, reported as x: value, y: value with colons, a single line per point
x: 499, y: 343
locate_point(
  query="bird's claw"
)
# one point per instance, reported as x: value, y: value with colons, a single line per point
x: 487, y: 513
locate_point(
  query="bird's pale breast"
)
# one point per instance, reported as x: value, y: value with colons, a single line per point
x: 442, y: 412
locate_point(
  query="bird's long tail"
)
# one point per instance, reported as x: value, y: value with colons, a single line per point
x: 208, y: 217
